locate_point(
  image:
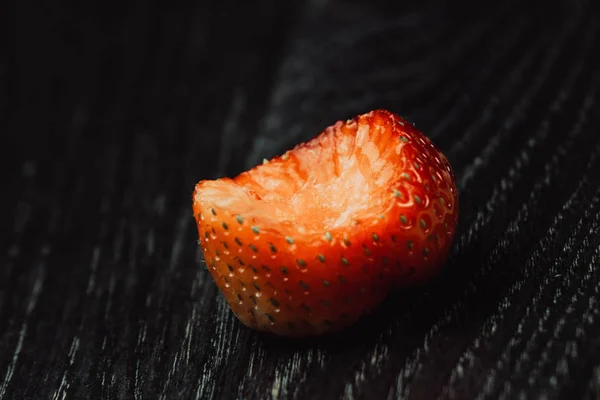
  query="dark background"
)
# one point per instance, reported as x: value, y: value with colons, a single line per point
x: 110, y: 112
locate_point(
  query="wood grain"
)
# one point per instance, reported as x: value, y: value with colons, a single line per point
x: 109, y: 115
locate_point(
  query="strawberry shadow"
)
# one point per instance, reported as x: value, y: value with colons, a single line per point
x: 404, y: 318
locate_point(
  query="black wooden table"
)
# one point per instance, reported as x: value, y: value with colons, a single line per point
x: 110, y: 113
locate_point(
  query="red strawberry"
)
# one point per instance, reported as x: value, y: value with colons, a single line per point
x: 310, y: 241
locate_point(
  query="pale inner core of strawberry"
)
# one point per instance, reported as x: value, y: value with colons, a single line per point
x: 330, y: 182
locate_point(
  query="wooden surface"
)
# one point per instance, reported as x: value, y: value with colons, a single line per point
x: 110, y: 113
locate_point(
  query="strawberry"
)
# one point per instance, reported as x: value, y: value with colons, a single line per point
x: 310, y: 241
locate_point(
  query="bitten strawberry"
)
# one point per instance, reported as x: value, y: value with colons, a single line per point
x: 312, y: 240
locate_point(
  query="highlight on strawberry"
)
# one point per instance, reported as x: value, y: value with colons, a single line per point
x: 308, y: 242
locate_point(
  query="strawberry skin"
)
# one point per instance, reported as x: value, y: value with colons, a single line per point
x: 310, y: 241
